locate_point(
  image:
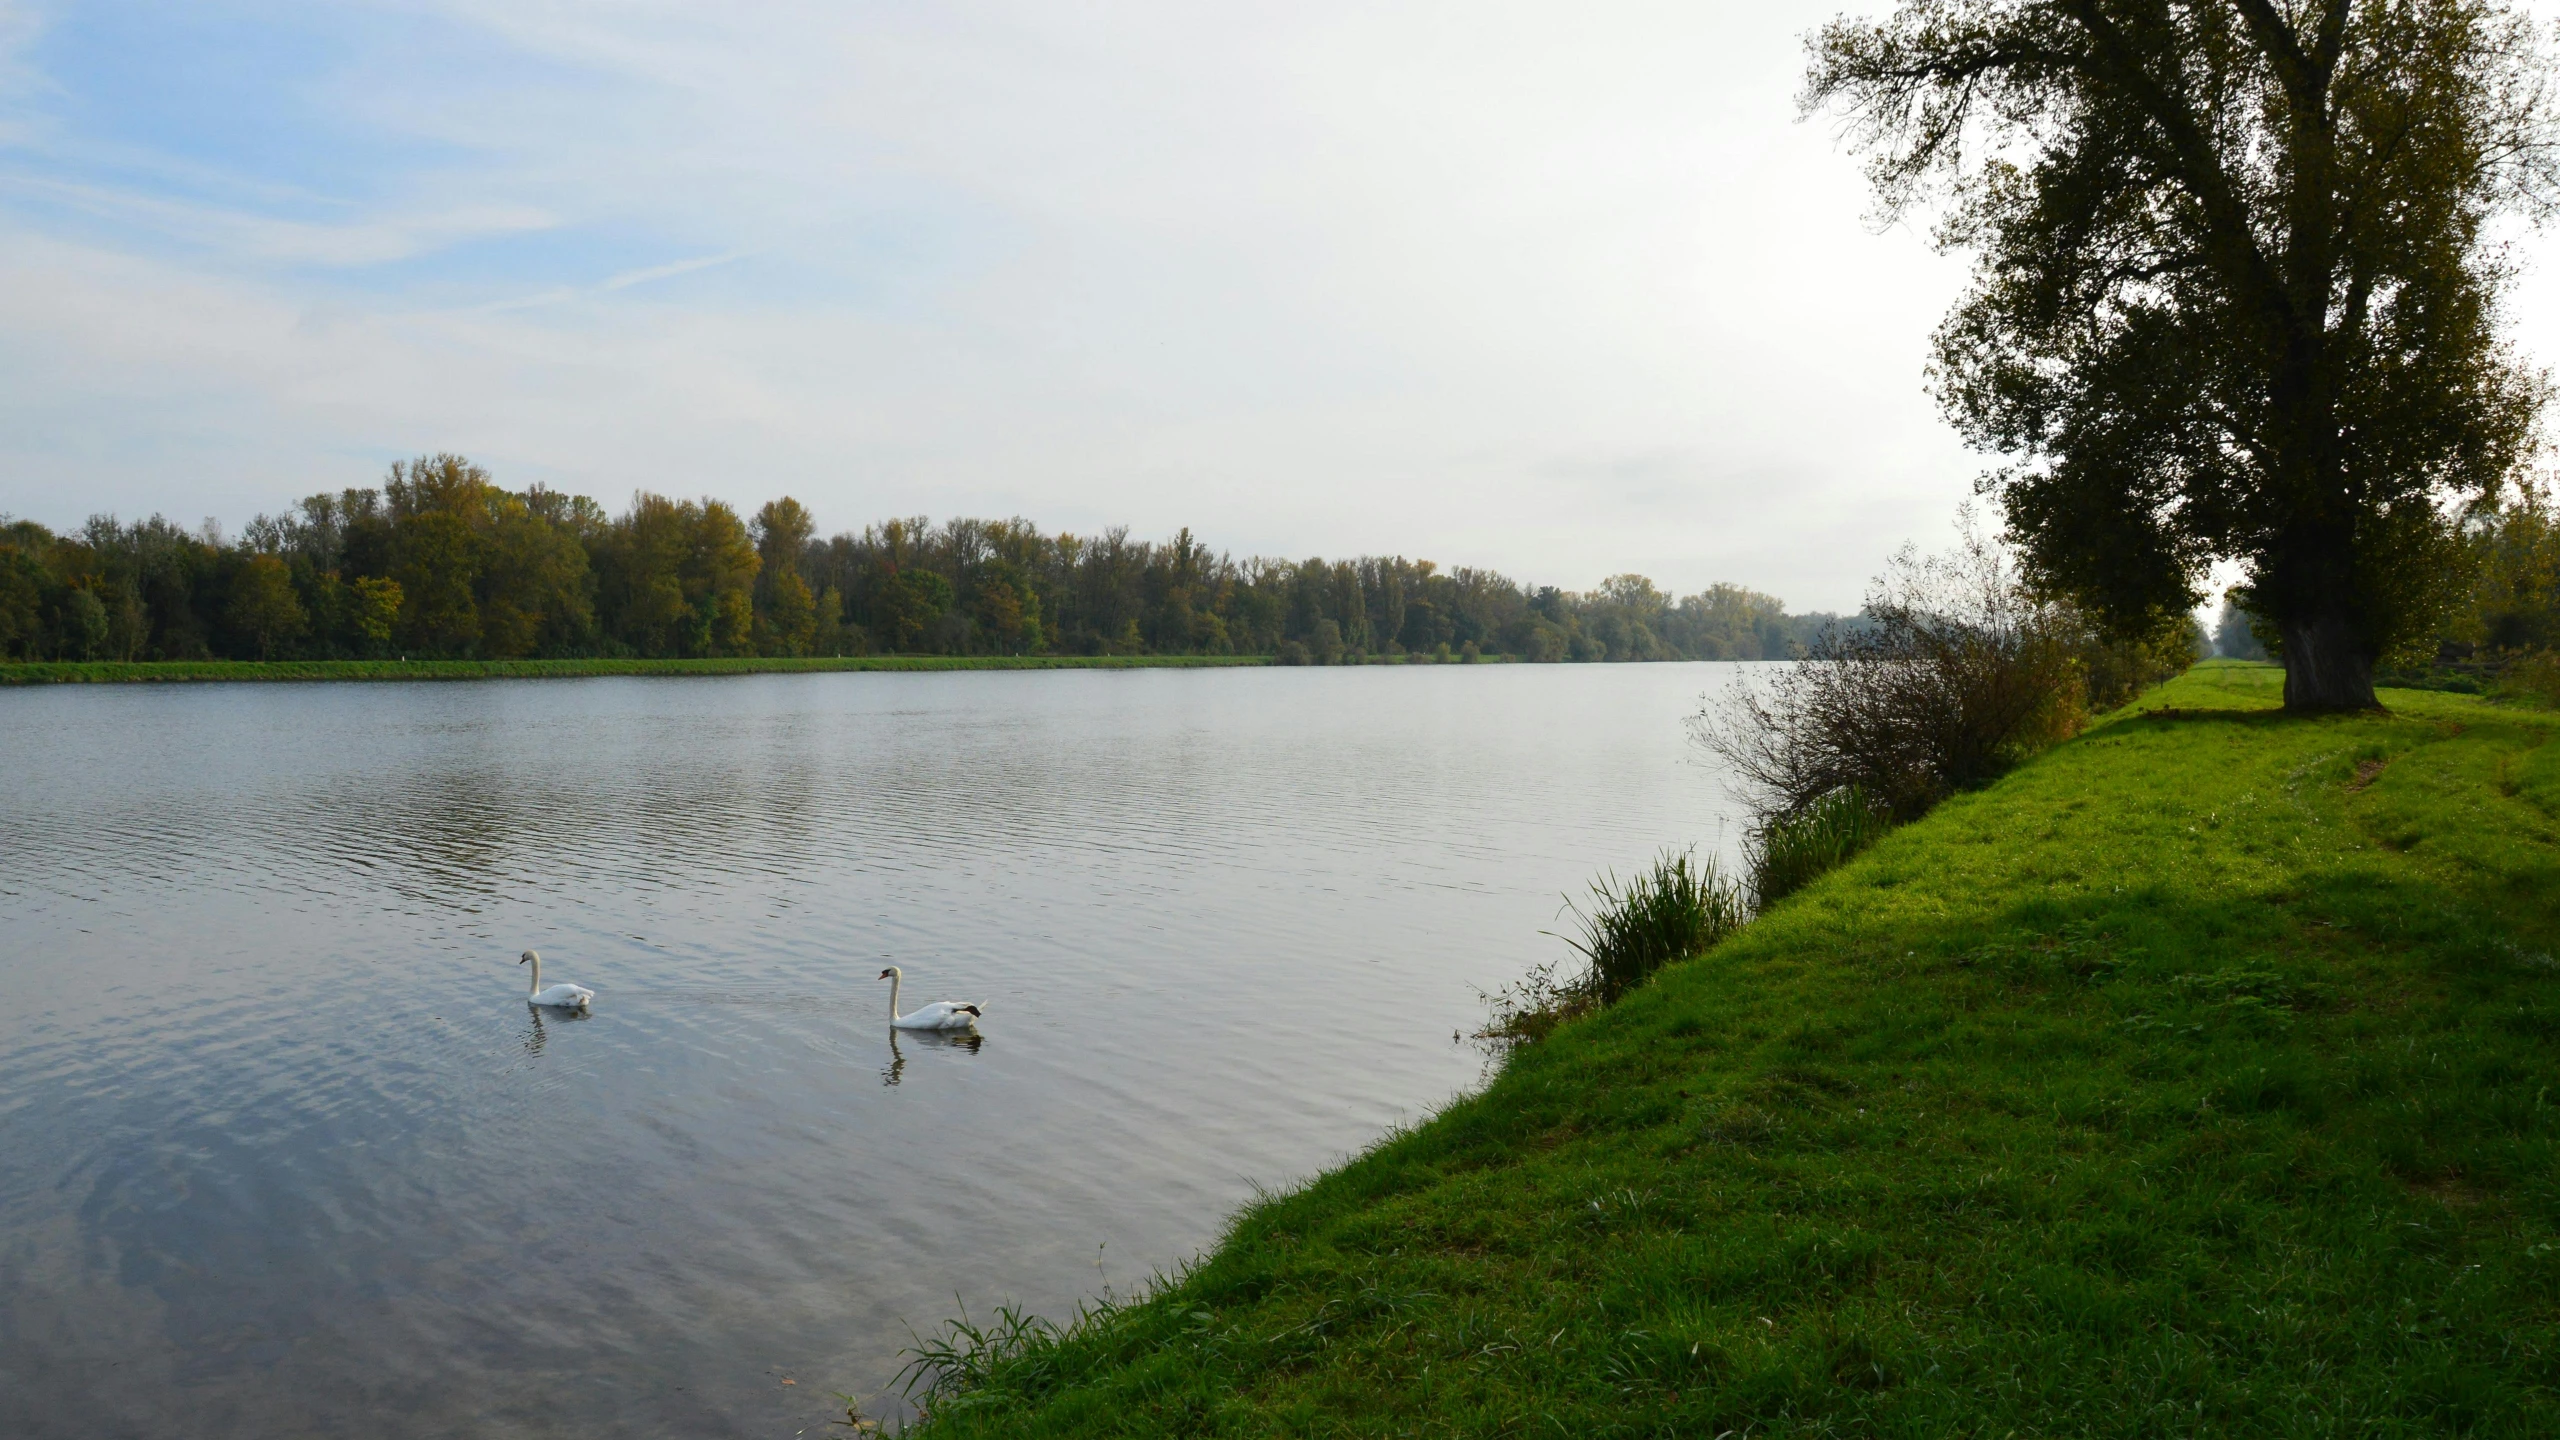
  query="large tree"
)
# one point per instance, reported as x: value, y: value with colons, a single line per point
x: 2237, y: 287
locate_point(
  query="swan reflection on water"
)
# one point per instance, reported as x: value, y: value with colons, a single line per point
x: 968, y: 1040
x: 533, y: 1038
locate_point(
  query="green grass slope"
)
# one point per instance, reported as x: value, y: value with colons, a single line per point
x: 2202, y: 1077
x: 119, y: 672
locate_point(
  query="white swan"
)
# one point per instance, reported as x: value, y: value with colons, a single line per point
x: 940, y: 1015
x: 571, y: 997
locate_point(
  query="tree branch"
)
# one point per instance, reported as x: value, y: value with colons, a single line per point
x: 2331, y: 41
x: 2198, y: 167
x: 2301, y: 75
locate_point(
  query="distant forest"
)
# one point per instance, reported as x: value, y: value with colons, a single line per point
x: 441, y: 562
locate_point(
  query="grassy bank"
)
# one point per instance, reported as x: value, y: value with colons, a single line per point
x: 2199, y: 1078
x: 109, y: 672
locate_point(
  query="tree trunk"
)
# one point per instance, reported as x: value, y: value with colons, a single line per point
x: 2325, y: 666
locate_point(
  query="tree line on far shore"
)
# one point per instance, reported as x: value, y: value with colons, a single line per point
x: 442, y: 562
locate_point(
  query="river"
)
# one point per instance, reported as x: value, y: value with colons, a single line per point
x: 283, y: 1152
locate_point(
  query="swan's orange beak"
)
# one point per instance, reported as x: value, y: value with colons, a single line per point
x: 884, y: 974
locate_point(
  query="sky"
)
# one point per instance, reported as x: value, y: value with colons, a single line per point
x: 1562, y: 290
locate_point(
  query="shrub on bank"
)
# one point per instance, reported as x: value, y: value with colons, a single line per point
x: 2113, y: 671
x: 1962, y: 671
x: 1959, y: 670
x: 2534, y: 680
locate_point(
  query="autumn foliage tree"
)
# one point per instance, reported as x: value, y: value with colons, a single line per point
x: 786, y: 616
x: 263, y: 606
x: 440, y: 561
x: 2237, y: 292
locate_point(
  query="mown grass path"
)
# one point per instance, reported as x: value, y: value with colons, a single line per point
x: 2201, y: 1078
x: 121, y: 672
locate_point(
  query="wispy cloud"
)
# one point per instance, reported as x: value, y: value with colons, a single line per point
x: 622, y: 280
x: 647, y: 273
x: 248, y: 236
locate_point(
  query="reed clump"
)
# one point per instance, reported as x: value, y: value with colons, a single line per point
x: 1790, y: 850
x: 1676, y: 908
x: 1673, y: 909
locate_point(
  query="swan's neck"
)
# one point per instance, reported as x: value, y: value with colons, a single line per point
x: 894, y: 980
x: 536, y: 987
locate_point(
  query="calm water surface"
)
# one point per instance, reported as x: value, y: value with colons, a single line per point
x: 283, y: 1152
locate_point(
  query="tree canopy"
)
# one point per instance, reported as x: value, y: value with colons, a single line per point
x: 2237, y: 288
x: 442, y: 561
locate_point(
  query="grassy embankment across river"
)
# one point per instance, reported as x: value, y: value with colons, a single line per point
x: 117, y: 672
x: 2201, y: 1077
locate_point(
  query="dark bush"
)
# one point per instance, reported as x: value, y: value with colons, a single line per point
x: 1959, y: 673
x: 2112, y: 672
x: 2535, y: 679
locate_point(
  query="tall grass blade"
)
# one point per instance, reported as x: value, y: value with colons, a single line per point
x: 1791, y: 850
x: 1670, y: 911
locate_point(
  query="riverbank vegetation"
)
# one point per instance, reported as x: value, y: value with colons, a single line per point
x: 2197, y: 1076
x: 1790, y: 849
x: 1963, y: 668
x: 442, y: 563
x: 119, y: 672
x: 1678, y: 907
x: 1960, y: 670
